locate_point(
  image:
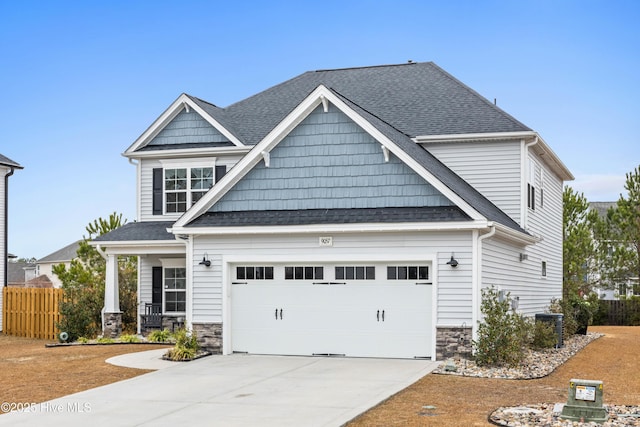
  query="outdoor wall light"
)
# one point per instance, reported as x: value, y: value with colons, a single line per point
x: 452, y: 262
x: 205, y: 260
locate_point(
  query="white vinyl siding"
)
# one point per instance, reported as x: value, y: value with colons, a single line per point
x: 493, y: 168
x: 501, y: 262
x: 453, y: 284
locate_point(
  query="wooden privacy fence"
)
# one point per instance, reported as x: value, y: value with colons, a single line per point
x: 620, y: 313
x: 31, y: 312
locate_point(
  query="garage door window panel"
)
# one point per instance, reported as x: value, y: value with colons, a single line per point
x: 408, y: 272
x: 355, y: 273
x: 303, y: 273
x: 254, y: 273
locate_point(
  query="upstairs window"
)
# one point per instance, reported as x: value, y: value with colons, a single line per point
x: 176, y: 189
x: 185, y: 186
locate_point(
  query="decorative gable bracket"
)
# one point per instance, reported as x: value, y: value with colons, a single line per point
x: 267, y: 158
x: 385, y: 151
x: 325, y: 103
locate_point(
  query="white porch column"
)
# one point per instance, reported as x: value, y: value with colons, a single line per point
x: 111, y: 289
x: 111, y: 314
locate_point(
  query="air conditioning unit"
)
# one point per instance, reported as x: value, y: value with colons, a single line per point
x: 556, y: 320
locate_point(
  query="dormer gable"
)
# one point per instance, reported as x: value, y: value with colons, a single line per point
x: 184, y: 125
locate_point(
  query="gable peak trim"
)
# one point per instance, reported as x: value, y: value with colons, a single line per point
x: 182, y: 103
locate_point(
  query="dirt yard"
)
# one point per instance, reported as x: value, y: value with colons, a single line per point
x: 29, y: 372
x: 459, y: 401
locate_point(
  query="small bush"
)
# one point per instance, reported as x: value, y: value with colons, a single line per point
x: 503, y: 336
x: 105, y: 340
x: 160, y: 336
x: 186, y: 347
x: 129, y: 338
x: 544, y: 335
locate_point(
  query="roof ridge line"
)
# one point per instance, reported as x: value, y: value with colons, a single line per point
x: 369, y: 66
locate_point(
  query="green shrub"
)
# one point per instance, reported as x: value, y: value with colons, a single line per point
x: 186, y: 346
x: 129, y: 338
x: 160, y: 336
x: 569, y: 322
x: 503, y: 336
x: 83, y: 340
x: 544, y: 335
x: 105, y: 340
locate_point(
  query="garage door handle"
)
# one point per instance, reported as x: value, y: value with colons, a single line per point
x: 280, y: 314
x: 276, y: 314
x: 378, y: 315
x: 383, y: 315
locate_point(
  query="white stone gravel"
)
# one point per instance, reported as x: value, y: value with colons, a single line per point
x: 545, y: 415
x: 538, y: 364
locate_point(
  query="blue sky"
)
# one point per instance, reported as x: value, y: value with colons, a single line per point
x: 82, y: 80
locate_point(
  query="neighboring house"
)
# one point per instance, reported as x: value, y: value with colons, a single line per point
x: 61, y: 256
x: 629, y: 287
x: 355, y: 211
x: 7, y: 168
x: 20, y: 272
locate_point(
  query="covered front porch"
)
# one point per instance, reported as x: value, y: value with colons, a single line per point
x: 161, y: 277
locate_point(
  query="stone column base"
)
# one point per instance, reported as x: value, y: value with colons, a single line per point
x: 453, y: 342
x: 112, y: 325
x: 209, y: 336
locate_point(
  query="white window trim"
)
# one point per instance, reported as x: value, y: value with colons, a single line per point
x: 172, y: 263
x: 188, y: 164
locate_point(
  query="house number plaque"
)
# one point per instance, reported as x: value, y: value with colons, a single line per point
x: 326, y: 241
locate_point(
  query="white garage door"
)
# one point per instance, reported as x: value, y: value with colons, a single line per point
x: 363, y: 310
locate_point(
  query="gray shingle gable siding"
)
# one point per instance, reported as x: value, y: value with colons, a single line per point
x: 330, y: 216
x: 445, y: 175
x: 329, y: 162
x: 188, y: 128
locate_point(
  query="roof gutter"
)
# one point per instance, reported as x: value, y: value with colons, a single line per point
x: 6, y: 224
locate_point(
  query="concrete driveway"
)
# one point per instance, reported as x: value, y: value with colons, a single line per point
x: 236, y: 390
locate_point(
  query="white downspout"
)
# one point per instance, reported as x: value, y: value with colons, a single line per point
x: 188, y: 258
x: 477, y: 280
x: 523, y: 187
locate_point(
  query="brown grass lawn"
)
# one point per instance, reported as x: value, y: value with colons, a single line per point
x: 613, y: 359
x: 29, y: 372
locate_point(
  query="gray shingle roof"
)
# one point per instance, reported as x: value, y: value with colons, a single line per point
x: 329, y: 216
x: 65, y: 254
x: 416, y: 98
x: 155, y: 230
x: 602, y: 207
x: 5, y: 161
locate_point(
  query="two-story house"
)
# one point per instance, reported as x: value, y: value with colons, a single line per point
x: 7, y: 168
x: 353, y: 212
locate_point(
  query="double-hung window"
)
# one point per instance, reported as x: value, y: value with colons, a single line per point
x: 185, y: 186
x: 175, y: 289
